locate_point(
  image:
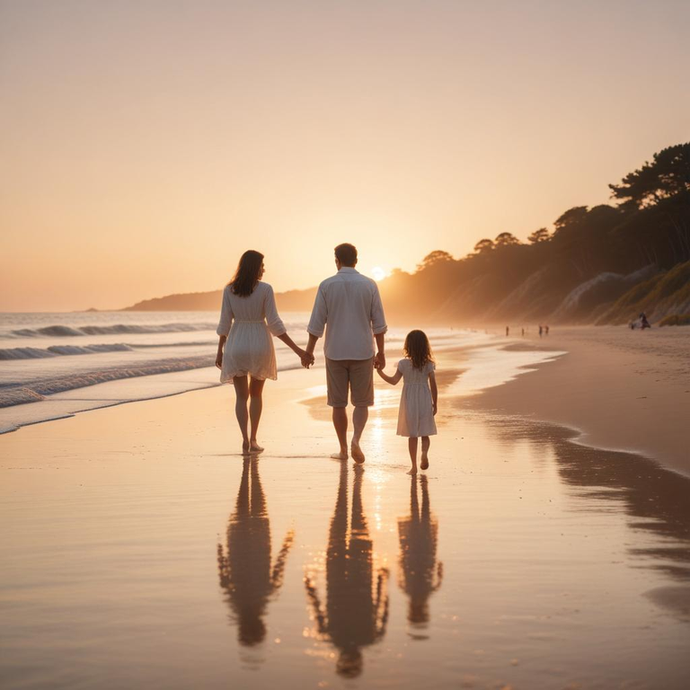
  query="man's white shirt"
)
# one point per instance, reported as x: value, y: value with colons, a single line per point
x: 348, y: 306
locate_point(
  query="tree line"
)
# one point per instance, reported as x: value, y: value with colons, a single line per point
x: 590, y: 258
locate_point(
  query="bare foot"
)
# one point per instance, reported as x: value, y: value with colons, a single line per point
x: 357, y: 454
x: 425, y: 461
x: 245, y: 448
x: 342, y: 455
x: 413, y: 471
x: 254, y: 447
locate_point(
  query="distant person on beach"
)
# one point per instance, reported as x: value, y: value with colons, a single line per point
x: 246, y: 356
x: 507, y: 330
x: 419, y: 399
x: 643, y: 321
x: 541, y: 330
x: 348, y: 306
x: 546, y: 330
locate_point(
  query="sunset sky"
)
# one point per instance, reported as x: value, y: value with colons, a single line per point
x: 146, y: 144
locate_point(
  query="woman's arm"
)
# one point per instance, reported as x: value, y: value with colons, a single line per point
x: 226, y: 317
x: 273, y: 320
x: 219, y: 355
x: 277, y: 328
x: 306, y: 358
x: 434, y: 390
x: 390, y: 379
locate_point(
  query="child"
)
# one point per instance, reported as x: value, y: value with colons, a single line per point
x: 419, y: 399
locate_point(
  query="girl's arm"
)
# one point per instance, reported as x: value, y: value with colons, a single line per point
x: 390, y: 379
x: 434, y: 390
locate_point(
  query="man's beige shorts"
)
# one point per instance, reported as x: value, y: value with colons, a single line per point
x: 357, y: 374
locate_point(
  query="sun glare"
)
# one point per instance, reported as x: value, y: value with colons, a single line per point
x: 378, y: 273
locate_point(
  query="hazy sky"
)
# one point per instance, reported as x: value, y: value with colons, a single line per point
x: 145, y: 144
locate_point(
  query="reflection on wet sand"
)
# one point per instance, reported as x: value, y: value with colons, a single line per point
x: 244, y: 566
x: 419, y: 575
x: 356, y: 610
x: 655, y: 499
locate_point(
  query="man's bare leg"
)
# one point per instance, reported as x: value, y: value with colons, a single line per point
x: 359, y: 421
x: 340, y: 425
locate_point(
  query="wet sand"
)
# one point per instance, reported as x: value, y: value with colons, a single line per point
x: 139, y: 549
x: 620, y: 389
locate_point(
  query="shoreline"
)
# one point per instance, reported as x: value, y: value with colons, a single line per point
x: 120, y: 526
x: 117, y: 524
x: 613, y: 389
x: 639, y: 414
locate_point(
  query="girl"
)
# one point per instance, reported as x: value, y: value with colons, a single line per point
x: 419, y: 399
x: 246, y: 356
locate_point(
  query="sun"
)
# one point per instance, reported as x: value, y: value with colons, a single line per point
x: 378, y: 273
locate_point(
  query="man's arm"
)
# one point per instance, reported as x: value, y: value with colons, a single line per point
x: 379, y: 327
x: 311, y: 344
x: 380, y: 358
x: 317, y: 322
x: 319, y: 314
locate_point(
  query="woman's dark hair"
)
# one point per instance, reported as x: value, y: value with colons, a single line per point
x: 417, y: 348
x: 247, y: 274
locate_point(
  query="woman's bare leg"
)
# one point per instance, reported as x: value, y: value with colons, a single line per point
x: 241, y: 397
x: 426, y: 442
x: 256, y: 405
x: 412, y: 446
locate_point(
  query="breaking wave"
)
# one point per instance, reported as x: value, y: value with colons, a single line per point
x: 57, y: 350
x: 14, y: 353
x: 35, y: 391
x: 60, y: 331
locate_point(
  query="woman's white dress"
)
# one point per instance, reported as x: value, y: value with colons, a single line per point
x: 249, y: 322
x: 416, y: 416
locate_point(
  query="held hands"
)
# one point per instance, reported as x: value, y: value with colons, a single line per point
x: 306, y: 358
x: 380, y: 361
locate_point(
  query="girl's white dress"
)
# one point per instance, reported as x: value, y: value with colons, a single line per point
x: 416, y: 416
x: 249, y: 323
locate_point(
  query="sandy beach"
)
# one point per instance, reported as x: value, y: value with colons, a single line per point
x: 140, y: 549
x: 617, y: 389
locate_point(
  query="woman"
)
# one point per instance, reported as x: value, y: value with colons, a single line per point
x: 245, y: 349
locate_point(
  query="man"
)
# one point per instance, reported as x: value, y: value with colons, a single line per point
x: 348, y: 306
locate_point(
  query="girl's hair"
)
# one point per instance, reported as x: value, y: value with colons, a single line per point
x: 247, y: 274
x: 417, y: 349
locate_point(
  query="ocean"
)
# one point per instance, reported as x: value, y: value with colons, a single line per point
x: 53, y: 365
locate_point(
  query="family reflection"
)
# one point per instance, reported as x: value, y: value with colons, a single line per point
x: 356, y: 609
x: 244, y: 566
x: 419, y: 575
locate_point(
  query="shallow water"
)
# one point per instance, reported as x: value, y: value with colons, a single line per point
x: 53, y: 365
x: 160, y: 559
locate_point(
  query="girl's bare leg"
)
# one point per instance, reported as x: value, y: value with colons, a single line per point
x: 241, y: 396
x: 256, y: 404
x: 426, y: 442
x: 412, y: 445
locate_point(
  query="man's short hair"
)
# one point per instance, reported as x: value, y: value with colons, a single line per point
x: 346, y: 254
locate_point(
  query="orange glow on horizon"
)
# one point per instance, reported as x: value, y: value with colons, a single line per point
x: 147, y: 147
